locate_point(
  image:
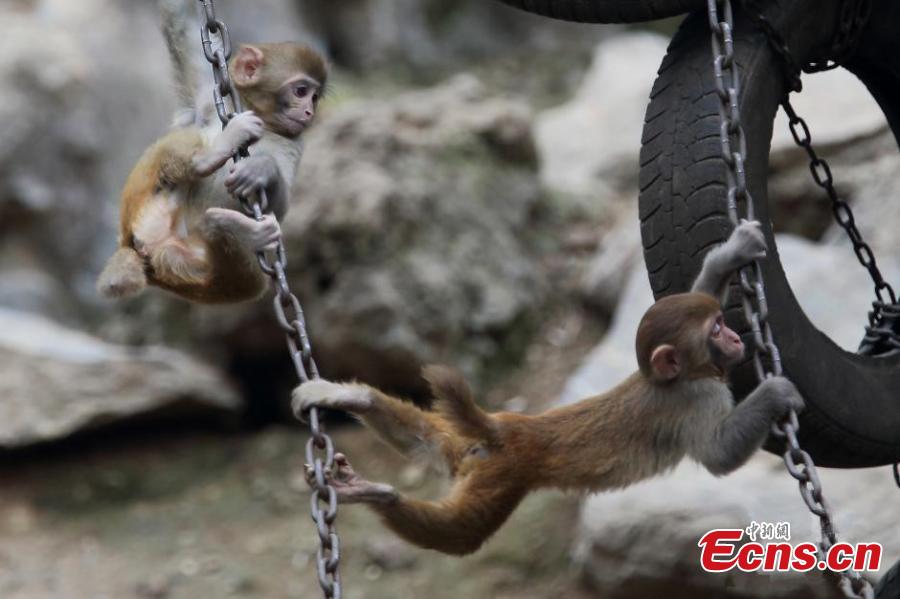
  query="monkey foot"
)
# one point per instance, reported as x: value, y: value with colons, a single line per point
x: 350, y: 487
x: 334, y: 396
x: 256, y: 235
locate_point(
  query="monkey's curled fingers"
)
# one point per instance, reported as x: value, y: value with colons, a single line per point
x: 348, y: 397
x: 243, y: 129
x: 351, y: 487
x: 251, y: 175
x: 784, y: 395
x: 256, y: 235
x: 746, y: 244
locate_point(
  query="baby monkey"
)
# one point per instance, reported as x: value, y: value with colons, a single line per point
x: 677, y: 404
x: 180, y: 229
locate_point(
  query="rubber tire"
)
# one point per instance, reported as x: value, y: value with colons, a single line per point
x: 889, y: 585
x: 853, y: 403
x: 607, y: 11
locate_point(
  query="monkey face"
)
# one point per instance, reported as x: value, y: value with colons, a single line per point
x: 725, y: 346
x: 297, y: 101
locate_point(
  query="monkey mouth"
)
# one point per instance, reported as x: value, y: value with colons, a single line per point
x: 299, y: 123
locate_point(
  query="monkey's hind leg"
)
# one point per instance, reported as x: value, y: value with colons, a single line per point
x: 176, y: 153
x: 123, y: 276
x: 181, y: 262
x: 351, y: 487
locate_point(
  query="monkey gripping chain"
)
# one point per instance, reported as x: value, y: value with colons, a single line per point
x: 323, y: 500
x: 734, y: 147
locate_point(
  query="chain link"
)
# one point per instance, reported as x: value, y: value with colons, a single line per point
x: 766, y: 358
x: 289, y: 314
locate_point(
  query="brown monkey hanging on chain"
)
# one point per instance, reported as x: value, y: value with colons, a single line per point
x: 180, y: 227
x: 677, y: 404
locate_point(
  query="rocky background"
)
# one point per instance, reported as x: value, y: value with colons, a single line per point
x: 468, y: 197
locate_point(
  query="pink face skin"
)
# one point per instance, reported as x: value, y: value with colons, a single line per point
x: 725, y: 345
x: 298, y: 99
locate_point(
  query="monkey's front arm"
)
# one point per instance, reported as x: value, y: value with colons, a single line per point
x: 743, y: 430
x: 745, y: 244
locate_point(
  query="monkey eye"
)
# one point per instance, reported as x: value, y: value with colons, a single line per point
x: 301, y: 91
x: 717, y: 327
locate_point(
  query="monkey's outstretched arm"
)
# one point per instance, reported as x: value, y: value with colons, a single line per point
x: 399, y: 423
x: 745, y: 244
x: 743, y: 431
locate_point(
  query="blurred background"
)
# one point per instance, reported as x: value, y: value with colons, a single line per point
x: 468, y: 197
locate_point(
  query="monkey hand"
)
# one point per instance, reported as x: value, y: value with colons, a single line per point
x: 255, y: 235
x: 244, y: 129
x: 251, y: 175
x: 783, y: 396
x: 351, y: 487
x: 746, y: 244
x: 319, y: 393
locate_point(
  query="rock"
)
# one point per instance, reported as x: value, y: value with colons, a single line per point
x: 836, y: 106
x: 607, y: 273
x: 867, y: 177
x: 74, y: 116
x: 642, y: 542
x: 411, y: 238
x: 56, y: 381
x: 422, y: 36
x: 590, y: 145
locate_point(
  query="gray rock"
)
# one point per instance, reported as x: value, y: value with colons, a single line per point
x: 411, y: 238
x: 838, y: 109
x: 606, y: 275
x: 642, y: 542
x: 420, y: 36
x: 56, y: 381
x: 590, y: 145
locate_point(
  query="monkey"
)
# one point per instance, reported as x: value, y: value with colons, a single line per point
x: 676, y: 405
x: 180, y: 227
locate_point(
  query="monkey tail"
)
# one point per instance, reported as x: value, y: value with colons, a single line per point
x: 454, y: 402
x: 175, y: 30
x: 123, y: 275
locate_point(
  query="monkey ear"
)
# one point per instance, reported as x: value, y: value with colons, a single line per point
x: 665, y: 363
x: 246, y: 65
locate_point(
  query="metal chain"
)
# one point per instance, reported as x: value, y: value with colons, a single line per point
x: 766, y: 358
x: 319, y: 448
x: 882, y: 336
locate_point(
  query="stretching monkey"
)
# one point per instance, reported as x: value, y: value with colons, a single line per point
x: 676, y: 405
x: 180, y: 229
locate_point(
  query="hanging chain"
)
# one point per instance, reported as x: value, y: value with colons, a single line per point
x: 882, y: 336
x: 319, y: 448
x: 766, y: 358
x: 884, y: 309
